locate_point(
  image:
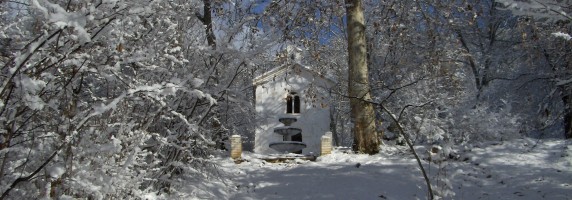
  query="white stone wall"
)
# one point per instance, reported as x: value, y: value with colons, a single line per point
x: 314, y: 119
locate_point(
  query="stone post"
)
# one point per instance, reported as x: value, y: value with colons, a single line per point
x: 235, y: 147
x: 326, y: 147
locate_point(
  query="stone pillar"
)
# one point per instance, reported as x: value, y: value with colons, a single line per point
x: 326, y: 144
x: 235, y: 147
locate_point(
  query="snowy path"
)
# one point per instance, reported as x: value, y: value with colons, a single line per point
x: 517, y: 169
x: 325, y: 180
x: 513, y: 170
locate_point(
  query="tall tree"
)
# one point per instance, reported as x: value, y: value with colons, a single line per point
x: 366, y: 139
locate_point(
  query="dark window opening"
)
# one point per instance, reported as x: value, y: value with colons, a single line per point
x: 296, y: 104
x: 293, y: 103
x: 289, y: 104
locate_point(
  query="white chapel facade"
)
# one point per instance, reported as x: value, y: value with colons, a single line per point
x: 294, y: 91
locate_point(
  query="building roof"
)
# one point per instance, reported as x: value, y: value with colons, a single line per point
x: 269, y: 75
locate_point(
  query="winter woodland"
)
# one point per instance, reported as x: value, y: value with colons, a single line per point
x: 136, y: 99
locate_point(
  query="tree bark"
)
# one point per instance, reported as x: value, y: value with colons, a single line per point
x: 366, y: 139
x: 566, y: 96
x: 207, y: 20
x: 567, y: 99
x: 216, y: 126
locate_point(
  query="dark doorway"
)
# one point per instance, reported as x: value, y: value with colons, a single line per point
x: 297, y: 137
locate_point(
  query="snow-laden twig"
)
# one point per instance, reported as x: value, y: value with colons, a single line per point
x: 551, y: 10
x: 408, y: 141
x: 562, y: 35
x: 27, y: 178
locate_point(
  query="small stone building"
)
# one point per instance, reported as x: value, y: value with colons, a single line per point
x: 292, y: 90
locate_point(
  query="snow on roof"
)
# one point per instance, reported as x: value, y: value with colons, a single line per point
x: 269, y: 75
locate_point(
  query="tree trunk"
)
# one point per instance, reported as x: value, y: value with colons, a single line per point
x: 208, y: 22
x: 216, y: 126
x: 566, y: 97
x: 362, y: 113
x: 567, y: 116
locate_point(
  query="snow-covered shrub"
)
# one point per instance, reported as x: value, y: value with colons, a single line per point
x: 483, y: 124
x: 96, y: 97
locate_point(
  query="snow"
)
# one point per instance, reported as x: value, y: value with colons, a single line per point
x: 61, y: 18
x: 56, y: 171
x: 335, y: 176
x: 564, y: 82
x: 31, y: 88
x: 562, y: 35
x: 538, y: 9
x: 33, y: 102
x: 522, y: 168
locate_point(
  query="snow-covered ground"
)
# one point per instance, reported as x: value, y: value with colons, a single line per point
x: 518, y: 169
